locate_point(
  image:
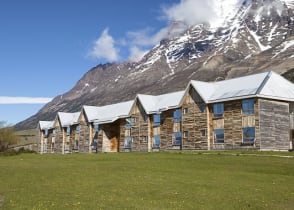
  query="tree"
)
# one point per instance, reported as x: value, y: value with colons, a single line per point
x: 7, y: 136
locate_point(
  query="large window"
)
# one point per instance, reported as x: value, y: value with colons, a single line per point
x: 156, y: 141
x: 177, y: 138
x: 218, y: 110
x: 178, y: 115
x: 219, y: 135
x: 248, y: 106
x: 96, y: 127
x: 156, y: 120
x: 127, y: 144
x: 68, y: 130
x: 78, y: 128
x: 46, y: 133
x: 248, y: 134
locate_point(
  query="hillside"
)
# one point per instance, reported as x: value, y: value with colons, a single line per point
x: 253, y: 36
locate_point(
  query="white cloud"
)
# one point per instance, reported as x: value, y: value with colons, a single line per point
x: 191, y: 11
x: 104, y: 48
x: 136, y: 54
x: 24, y: 100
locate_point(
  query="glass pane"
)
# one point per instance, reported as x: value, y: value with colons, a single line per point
x: 219, y: 135
x: 248, y: 134
x: 156, y: 142
x: 178, y: 115
x: 177, y: 138
x: 218, y: 110
x: 248, y: 106
x: 156, y: 120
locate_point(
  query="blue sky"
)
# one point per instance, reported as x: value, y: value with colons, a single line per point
x: 46, y: 46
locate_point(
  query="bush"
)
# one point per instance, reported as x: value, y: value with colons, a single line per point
x: 7, y: 136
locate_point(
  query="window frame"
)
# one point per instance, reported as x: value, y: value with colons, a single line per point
x: 215, y: 139
x: 217, y: 114
x: 156, y: 120
x: 248, y: 110
x: 155, y: 144
x: 186, y: 134
x: 203, y: 131
x: 177, y: 142
x: 185, y: 110
x: 244, y: 141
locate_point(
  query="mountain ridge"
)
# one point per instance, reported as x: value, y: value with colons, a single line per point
x: 258, y: 37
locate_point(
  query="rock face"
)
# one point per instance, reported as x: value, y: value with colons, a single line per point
x: 252, y: 36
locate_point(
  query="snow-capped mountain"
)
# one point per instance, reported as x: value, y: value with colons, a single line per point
x: 242, y: 37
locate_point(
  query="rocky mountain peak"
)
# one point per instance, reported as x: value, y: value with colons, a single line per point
x: 243, y: 37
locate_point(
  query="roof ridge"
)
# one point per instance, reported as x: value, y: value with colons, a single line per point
x: 263, y: 83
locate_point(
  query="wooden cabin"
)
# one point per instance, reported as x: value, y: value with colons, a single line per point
x: 105, y: 125
x: 251, y: 112
x: 67, y: 131
x: 47, y: 137
x: 151, y: 124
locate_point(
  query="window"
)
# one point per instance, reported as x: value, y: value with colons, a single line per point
x: 46, y: 133
x: 127, y: 144
x: 219, y: 136
x: 186, y: 134
x: 202, y: 107
x: 78, y: 128
x: 177, y: 138
x: 185, y: 110
x: 248, y: 134
x: 156, y: 120
x: 145, y: 117
x: 53, y: 132
x: 68, y: 130
x: 94, y: 144
x: 203, y: 132
x: 145, y: 139
x: 156, y: 141
x: 218, y: 110
x: 248, y: 106
x: 96, y: 127
x: 178, y: 115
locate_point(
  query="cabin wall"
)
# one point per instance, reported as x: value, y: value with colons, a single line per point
x: 110, y: 137
x: 140, y: 129
x: 274, y: 125
x: 84, y: 134
x: 194, y: 122
x: 167, y: 129
x: 58, y: 138
x: 233, y: 122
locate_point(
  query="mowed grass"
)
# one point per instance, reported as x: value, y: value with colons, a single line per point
x: 146, y: 181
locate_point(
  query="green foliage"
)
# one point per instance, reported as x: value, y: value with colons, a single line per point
x: 7, y: 136
x: 147, y: 181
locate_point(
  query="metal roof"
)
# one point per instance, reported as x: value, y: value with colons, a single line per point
x: 67, y: 119
x: 267, y: 84
x: 43, y: 125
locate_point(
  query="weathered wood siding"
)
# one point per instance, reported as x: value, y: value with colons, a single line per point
x: 233, y: 122
x: 84, y: 135
x: 123, y: 131
x: 167, y: 129
x: 58, y: 137
x: 140, y: 129
x: 274, y: 125
x: 194, y: 121
x: 110, y: 137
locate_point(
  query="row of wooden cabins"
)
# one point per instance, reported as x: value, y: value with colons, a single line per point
x: 250, y: 112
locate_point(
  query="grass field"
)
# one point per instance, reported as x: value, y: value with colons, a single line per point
x: 146, y: 181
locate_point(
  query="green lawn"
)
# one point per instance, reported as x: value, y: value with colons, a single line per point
x: 147, y: 181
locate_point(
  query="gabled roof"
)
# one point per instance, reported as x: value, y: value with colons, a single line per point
x: 266, y: 85
x: 156, y: 104
x: 112, y: 112
x: 43, y: 125
x: 108, y: 113
x: 67, y: 119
